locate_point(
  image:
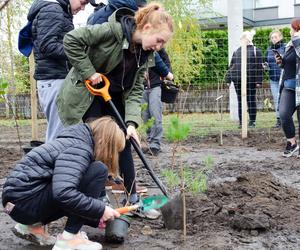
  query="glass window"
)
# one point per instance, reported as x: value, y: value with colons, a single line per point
x: 266, y: 3
x: 297, y: 1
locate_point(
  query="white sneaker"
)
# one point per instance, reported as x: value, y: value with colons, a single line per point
x: 80, y: 241
x: 36, y: 234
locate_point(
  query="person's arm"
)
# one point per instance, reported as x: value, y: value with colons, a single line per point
x: 49, y: 29
x: 76, y: 43
x: 70, y: 167
x: 160, y: 67
x: 296, y: 43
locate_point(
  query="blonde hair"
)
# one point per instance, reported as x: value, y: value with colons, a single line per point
x: 109, y: 141
x: 275, y: 31
x: 154, y: 14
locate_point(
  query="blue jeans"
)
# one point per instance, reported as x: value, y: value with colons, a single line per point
x: 274, y: 85
x: 154, y: 109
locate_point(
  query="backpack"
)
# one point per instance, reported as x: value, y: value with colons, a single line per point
x: 25, y: 40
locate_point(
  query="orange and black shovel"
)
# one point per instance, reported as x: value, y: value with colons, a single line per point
x: 103, y: 92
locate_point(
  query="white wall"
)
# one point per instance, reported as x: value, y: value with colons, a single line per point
x: 286, y: 8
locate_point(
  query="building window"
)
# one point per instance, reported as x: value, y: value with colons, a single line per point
x: 267, y: 3
x: 297, y: 1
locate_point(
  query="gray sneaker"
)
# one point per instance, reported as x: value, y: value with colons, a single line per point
x: 290, y: 149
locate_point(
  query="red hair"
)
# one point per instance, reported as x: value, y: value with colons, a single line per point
x: 296, y: 24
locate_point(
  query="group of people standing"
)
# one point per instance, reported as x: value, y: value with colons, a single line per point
x: 66, y: 176
x: 282, y: 63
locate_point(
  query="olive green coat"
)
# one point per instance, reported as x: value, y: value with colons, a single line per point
x: 98, y: 47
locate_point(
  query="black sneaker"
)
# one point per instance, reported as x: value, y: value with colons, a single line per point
x: 154, y: 151
x: 290, y: 149
x: 251, y: 124
x: 277, y: 124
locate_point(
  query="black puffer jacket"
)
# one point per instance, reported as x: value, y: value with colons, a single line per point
x: 51, y: 21
x: 254, y: 67
x: 63, y: 161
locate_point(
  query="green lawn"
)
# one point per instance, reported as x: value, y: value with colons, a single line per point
x: 201, y: 123
x: 211, y: 123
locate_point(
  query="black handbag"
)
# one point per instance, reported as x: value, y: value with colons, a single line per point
x: 169, y: 91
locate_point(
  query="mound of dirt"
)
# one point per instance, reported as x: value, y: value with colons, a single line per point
x: 254, y: 202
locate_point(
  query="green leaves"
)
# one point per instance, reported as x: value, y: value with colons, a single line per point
x: 177, y: 130
x: 3, y: 86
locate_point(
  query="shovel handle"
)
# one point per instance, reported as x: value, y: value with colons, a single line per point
x: 103, y: 92
x: 124, y: 210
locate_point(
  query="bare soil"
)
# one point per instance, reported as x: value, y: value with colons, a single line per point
x: 252, y: 200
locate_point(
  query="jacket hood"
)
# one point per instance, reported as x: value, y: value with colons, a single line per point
x: 116, y: 18
x: 131, y: 4
x: 39, y: 4
x: 80, y: 131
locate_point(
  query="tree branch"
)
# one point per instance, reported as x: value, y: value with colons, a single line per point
x: 3, y: 4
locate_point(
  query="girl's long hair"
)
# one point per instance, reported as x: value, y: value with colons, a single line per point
x: 109, y: 141
x: 296, y: 23
x: 154, y: 14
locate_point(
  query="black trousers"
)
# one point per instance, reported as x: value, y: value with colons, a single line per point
x: 251, y: 101
x: 99, y: 109
x: 287, y: 108
x: 43, y: 208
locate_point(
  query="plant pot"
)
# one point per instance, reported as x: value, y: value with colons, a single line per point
x: 117, y: 229
x: 33, y: 144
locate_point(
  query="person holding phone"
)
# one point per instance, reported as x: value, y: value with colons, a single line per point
x: 289, y: 99
x: 277, y: 47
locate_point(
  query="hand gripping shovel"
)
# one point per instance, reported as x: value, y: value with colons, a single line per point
x: 151, y: 202
x: 103, y: 92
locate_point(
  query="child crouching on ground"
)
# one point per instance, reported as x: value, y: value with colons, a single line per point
x: 65, y: 177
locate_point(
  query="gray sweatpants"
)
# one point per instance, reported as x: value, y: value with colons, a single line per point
x: 47, y: 93
x: 154, y: 109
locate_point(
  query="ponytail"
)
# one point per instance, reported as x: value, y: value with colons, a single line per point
x: 154, y: 14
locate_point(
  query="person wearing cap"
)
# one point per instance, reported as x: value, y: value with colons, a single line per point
x: 48, y: 22
x: 254, y: 75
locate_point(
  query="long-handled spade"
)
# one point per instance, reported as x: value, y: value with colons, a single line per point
x: 103, y: 92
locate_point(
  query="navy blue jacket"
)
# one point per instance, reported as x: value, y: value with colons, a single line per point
x: 51, y: 20
x: 101, y: 15
x: 274, y: 70
x: 63, y: 161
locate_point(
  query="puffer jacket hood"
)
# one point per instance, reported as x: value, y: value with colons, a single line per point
x: 77, y: 131
x: 131, y: 4
x: 39, y: 4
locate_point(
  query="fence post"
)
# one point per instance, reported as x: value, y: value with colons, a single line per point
x: 244, y: 89
x: 34, y: 123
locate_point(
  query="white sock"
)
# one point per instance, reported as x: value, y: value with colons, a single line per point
x: 66, y: 235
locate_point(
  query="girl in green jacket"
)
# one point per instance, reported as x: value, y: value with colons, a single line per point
x: 121, y: 49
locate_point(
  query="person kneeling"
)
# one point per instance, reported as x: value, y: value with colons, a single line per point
x: 65, y: 177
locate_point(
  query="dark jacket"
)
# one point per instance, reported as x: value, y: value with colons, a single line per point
x: 101, y: 15
x: 154, y: 78
x: 254, y: 66
x: 63, y: 162
x: 295, y: 42
x: 51, y: 21
x: 274, y: 70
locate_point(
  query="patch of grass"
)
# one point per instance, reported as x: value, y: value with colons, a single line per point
x: 21, y: 122
x: 203, y: 124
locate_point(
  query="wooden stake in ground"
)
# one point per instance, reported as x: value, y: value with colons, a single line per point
x: 244, y: 90
x: 34, y: 123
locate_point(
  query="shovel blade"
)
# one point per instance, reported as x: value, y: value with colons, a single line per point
x: 154, y: 202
